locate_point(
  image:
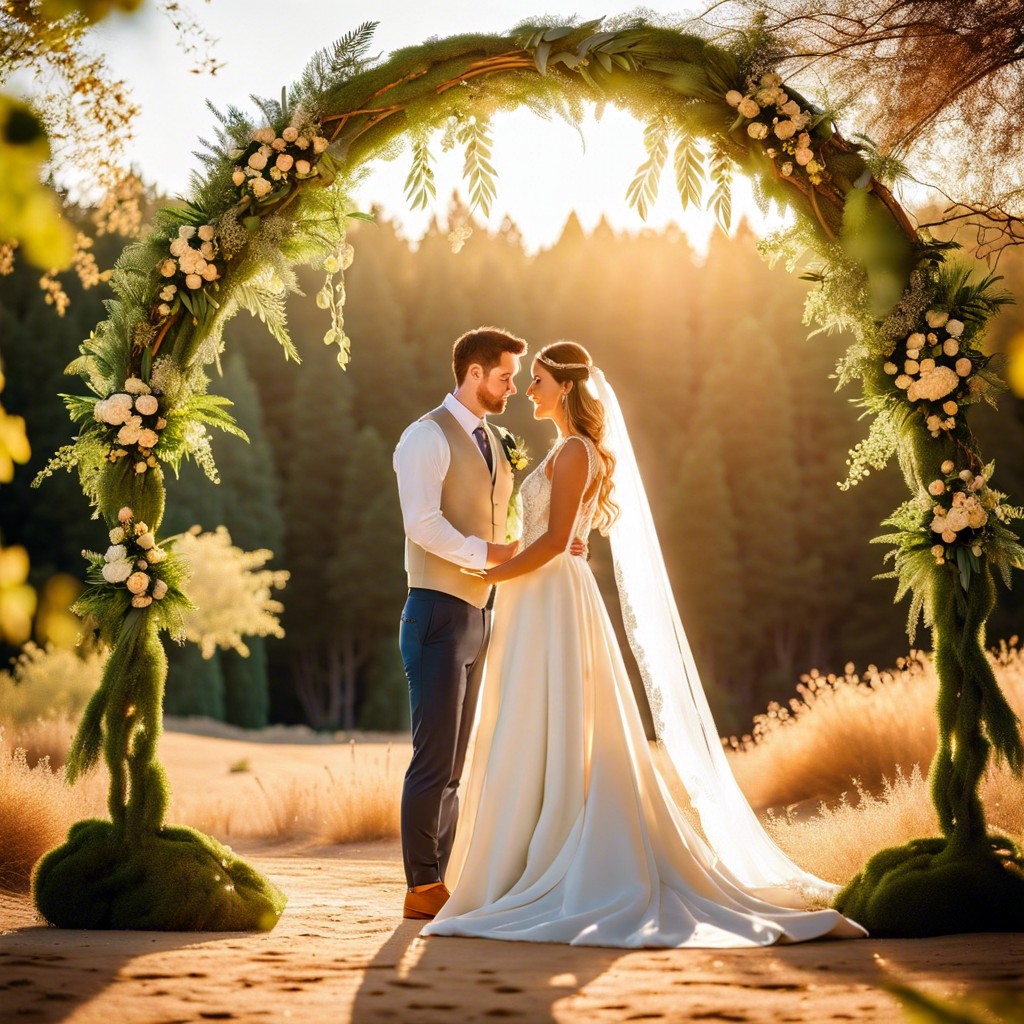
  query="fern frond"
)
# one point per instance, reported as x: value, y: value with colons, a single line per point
x: 643, y: 189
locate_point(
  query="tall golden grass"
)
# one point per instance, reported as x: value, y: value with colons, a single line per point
x: 850, y: 731
x: 36, y: 809
x: 357, y: 802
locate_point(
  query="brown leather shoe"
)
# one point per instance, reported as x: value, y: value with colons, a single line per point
x: 424, y: 905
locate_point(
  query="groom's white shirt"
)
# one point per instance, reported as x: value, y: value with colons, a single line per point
x: 421, y: 461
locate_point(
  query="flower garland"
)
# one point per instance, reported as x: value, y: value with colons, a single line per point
x: 135, y: 412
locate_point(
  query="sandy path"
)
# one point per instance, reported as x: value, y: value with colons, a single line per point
x: 341, y: 953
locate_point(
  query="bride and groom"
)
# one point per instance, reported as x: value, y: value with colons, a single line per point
x: 568, y: 831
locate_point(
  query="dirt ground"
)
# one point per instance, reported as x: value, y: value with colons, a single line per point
x: 341, y: 952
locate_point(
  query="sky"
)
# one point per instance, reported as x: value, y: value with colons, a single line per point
x: 545, y: 168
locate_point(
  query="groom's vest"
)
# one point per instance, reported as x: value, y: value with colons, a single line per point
x: 473, y: 502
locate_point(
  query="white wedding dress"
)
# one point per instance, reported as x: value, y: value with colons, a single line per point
x: 568, y: 832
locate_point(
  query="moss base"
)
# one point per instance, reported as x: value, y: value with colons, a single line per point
x: 175, y: 880
x: 920, y: 889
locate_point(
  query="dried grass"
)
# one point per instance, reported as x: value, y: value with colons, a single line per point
x: 848, y: 731
x: 359, y: 804
x: 36, y: 810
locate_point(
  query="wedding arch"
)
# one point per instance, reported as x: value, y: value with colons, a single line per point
x: 274, y: 192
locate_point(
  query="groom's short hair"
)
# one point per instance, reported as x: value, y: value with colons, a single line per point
x: 485, y: 347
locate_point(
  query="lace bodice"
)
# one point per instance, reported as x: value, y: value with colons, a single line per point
x: 535, y: 494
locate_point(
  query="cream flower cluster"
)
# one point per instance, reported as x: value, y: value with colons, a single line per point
x: 130, y: 559
x: 135, y: 412
x: 193, y: 256
x: 271, y: 160
x: 964, y: 506
x: 766, y: 98
x: 934, y: 368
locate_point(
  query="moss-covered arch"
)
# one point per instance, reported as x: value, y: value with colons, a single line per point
x: 273, y: 192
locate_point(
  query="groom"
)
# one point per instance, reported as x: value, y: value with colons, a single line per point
x: 454, y: 484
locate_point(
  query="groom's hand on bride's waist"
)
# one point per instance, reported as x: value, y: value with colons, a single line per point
x: 578, y: 547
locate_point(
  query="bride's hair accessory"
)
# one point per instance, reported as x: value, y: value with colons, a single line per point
x: 565, y: 366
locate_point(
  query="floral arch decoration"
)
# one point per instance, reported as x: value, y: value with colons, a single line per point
x: 273, y: 193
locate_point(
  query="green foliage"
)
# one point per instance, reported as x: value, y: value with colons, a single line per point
x: 477, y: 170
x: 929, y: 888
x: 173, y: 880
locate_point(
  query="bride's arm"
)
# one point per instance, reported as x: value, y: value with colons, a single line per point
x: 568, y: 480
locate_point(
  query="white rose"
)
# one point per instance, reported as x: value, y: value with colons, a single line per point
x: 936, y: 318
x: 140, y: 467
x: 263, y: 135
x: 278, y: 145
x: 207, y: 250
x: 790, y: 109
x: 115, y: 553
x: 948, y: 536
x: 146, y: 541
x: 159, y: 590
x: 168, y: 292
x: 302, y: 142
x: 948, y: 466
x: 238, y: 176
x: 934, y: 424
x: 141, y: 601
x: 964, y: 366
x: 785, y: 129
x: 266, y: 151
x: 284, y: 162
x: 951, y: 346
x: 966, y: 474
x: 117, y: 572
x: 936, y: 487
x: 950, y: 408
x: 206, y: 233
x: 168, y: 268
x: 260, y: 187
x: 734, y: 97
x: 933, y: 386
x: 138, y: 582
x: 148, y: 438
x: 186, y: 231
x: 771, y: 80
x: 916, y: 340
x: 194, y: 281
x: 157, y: 555
x: 290, y: 134
x: 210, y: 273
x: 275, y: 174
x: 178, y: 246
x: 302, y: 168
x: 911, y: 366
x: 125, y: 514
x: 128, y: 434
x: 957, y: 519
x: 747, y: 106
x: 891, y: 368
x: 319, y: 143
x: 927, y: 365
x: 954, y: 328
x: 803, y: 157
x: 903, y: 381
x: 757, y: 130
x: 147, y: 404
x: 257, y: 161
x: 115, y: 409
x: 163, y: 309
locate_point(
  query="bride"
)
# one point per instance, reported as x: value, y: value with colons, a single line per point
x: 569, y: 831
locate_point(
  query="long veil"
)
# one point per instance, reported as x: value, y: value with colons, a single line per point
x: 683, y: 721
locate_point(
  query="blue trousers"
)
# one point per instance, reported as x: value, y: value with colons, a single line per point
x: 443, y: 640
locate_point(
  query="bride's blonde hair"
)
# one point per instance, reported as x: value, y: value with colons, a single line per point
x: 568, y: 361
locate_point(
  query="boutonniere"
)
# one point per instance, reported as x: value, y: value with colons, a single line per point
x: 515, y: 451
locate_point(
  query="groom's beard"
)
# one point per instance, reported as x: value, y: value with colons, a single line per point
x: 492, y: 403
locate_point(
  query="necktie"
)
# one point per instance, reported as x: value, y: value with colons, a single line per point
x: 485, y: 447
